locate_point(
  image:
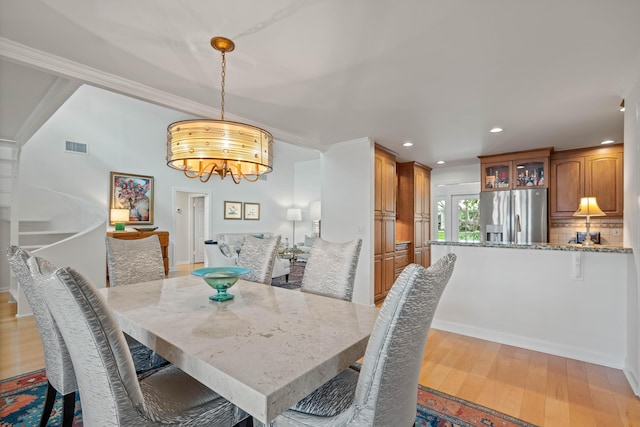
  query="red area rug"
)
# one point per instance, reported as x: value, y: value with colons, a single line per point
x: 22, y: 399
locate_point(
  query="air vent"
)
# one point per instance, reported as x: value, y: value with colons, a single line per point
x: 76, y: 147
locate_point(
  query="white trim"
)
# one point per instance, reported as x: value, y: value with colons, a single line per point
x: 528, y: 343
x: 76, y: 71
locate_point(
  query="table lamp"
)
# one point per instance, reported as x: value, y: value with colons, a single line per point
x: 119, y: 217
x: 294, y: 215
x: 588, y: 207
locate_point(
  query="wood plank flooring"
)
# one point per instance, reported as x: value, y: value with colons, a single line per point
x: 542, y: 389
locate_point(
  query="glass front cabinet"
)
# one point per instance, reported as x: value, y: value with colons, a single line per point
x: 522, y: 169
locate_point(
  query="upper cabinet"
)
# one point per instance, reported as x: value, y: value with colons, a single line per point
x: 594, y: 172
x: 521, y: 169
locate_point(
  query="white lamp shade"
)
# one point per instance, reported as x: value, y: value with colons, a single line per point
x: 315, y: 210
x: 119, y: 215
x: 589, y: 207
x: 294, y: 214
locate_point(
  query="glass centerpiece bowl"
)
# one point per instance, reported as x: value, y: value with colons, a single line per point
x: 221, y: 279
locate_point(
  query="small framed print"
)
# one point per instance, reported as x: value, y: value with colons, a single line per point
x: 232, y: 210
x: 252, y: 211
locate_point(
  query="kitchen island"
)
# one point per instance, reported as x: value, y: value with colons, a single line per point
x: 561, y: 299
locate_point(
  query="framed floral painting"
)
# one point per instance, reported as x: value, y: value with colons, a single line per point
x: 135, y: 193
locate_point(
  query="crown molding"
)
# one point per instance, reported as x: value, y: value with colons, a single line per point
x: 71, y: 70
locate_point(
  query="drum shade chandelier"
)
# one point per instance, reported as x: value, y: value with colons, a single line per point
x: 201, y: 148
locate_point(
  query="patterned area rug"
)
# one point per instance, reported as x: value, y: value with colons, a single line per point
x: 22, y: 399
x: 295, y: 277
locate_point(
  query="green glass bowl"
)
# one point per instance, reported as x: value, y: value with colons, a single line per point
x: 221, y: 279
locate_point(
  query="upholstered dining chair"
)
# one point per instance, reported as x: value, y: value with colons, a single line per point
x: 331, y: 268
x: 110, y: 391
x: 134, y: 261
x: 384, y: 392
x: 258, y: 255
x: 61, y: 377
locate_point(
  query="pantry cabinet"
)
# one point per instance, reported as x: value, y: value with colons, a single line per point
x: 384, y: 221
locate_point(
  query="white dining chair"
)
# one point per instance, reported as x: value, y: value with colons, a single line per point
x: 110, y: 391
x: 384, y: 392
x: 61, y: 377
x: 258, y: 254
x: 134, y: 261
x: 331, y: 268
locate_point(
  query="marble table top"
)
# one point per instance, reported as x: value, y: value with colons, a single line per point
x: 264, y: 350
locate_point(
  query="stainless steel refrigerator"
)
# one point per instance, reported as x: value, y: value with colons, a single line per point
x: 514, y: 216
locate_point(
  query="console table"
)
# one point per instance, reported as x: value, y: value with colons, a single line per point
x: 163, y: 236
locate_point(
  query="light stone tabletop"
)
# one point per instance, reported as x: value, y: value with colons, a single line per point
x: 264, y: 350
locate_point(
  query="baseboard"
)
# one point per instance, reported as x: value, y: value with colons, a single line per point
x: 530, y: 344
x: 632, y: 380
x: 4, y: 288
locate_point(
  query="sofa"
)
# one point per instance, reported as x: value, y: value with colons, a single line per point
x: 304, y: 248
x: 225, y: 248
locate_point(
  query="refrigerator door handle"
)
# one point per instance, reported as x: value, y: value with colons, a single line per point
x: 516, y: 229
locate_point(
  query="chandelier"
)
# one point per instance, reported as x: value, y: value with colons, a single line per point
x: 201, y: 148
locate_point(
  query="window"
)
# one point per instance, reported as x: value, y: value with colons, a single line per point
x: 442, y: 203
x: 467, y: 218
x: 457, y: 217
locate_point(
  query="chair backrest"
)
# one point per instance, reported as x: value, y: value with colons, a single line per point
x: 331, y: 268
x: 134, y: 261
x: 107, y: 380
x: 388, y: 381
x: 57, y: 361
x: 259, y: 255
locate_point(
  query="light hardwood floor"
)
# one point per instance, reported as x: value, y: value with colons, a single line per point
x: 539, y: 388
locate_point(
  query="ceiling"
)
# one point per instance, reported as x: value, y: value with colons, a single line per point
x: 318, y: 72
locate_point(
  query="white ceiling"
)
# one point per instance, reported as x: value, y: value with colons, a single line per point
x: 437, y: 73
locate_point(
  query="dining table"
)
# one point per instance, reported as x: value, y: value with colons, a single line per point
x: 263, y: 350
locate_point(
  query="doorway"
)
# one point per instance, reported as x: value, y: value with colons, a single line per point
x: 191, y: 225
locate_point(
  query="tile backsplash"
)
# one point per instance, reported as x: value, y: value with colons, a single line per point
x: 563, y: 230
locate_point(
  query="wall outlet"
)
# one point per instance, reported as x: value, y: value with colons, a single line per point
x: 616, y: 232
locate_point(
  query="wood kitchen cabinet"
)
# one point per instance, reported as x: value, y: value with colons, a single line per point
x: 402, y: 257
x: 521, y: 169
x: 384, y: 221
x: 413, y: 209
x: 596, y: 172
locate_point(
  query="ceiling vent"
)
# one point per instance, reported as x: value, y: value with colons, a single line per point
x: 76, y: 147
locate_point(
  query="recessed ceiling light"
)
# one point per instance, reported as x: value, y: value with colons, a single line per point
x: 608, y: 141
x: 622, y: 105
x: 496, y: 130
x: 441, y: 162
x: 407, y: 144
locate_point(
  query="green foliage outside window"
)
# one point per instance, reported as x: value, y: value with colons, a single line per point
x: 468, y: 221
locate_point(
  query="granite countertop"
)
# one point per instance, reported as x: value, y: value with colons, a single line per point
x: 537, y: 246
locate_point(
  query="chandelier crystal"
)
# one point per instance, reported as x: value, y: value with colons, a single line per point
x: 201, y: 148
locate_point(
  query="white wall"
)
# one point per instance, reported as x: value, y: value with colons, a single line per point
x: 307, y: 189
x: 530, y: 299
x: 632, y: 229
x: 128, y: 135
x: 347, y: 205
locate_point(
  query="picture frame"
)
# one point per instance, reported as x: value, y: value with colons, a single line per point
x: 135, y: 193
x: 232, y: 210
x: 252, y: 211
